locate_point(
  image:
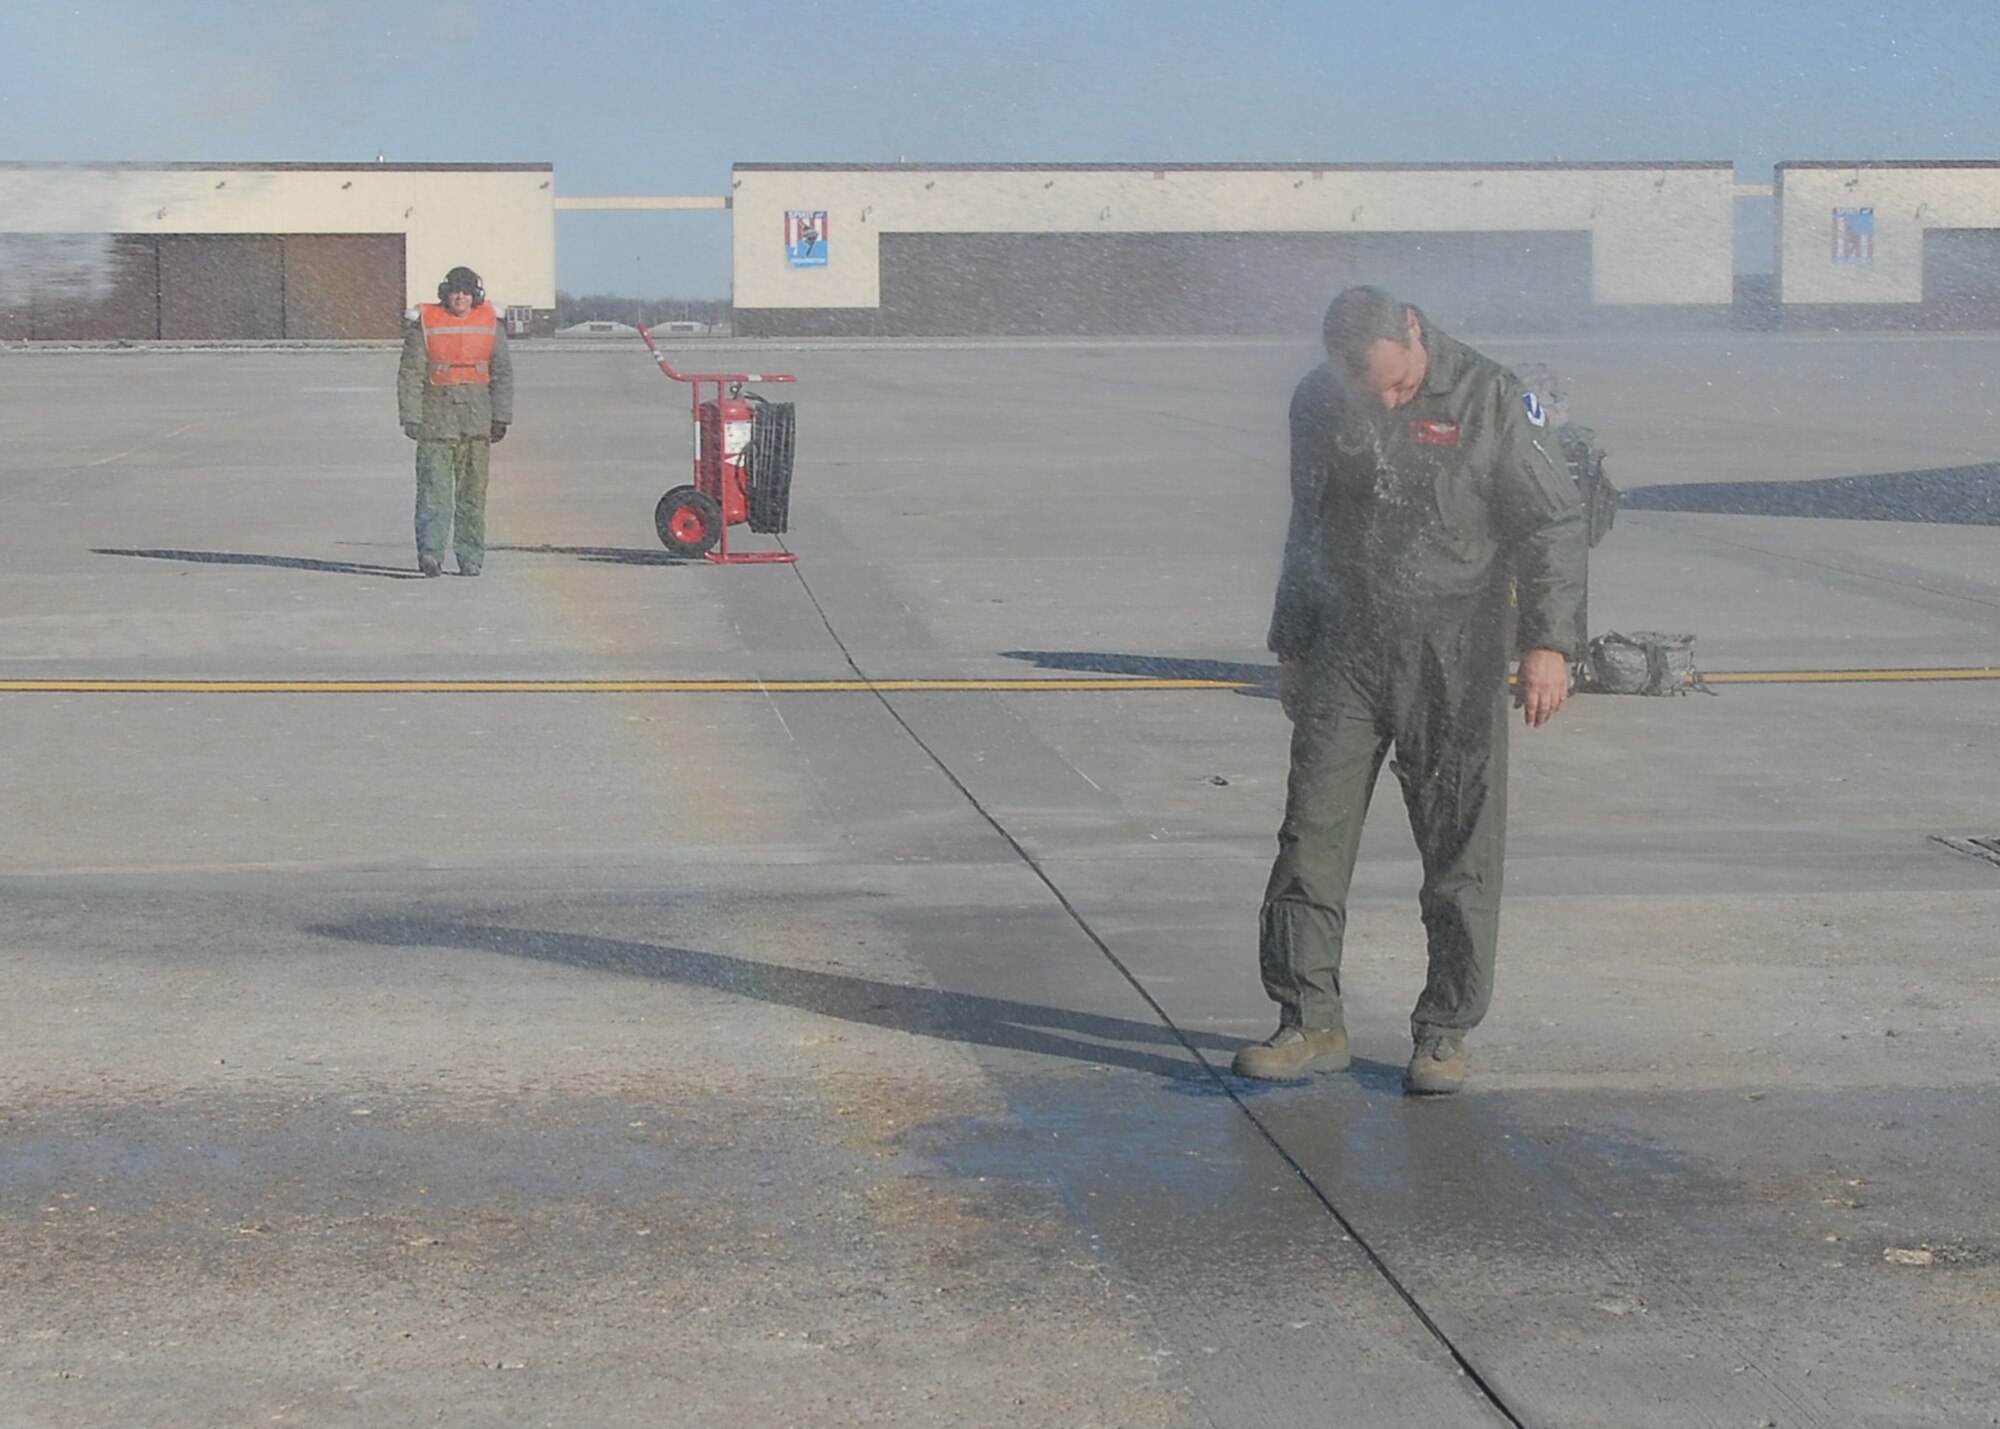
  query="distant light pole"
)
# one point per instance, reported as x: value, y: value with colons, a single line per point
x: 638, y: 292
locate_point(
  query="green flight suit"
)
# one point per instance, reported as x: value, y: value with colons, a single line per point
x: 455, y: 424
x: 1412, y: 530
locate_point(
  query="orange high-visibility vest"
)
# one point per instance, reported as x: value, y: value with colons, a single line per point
x: 460, y: 349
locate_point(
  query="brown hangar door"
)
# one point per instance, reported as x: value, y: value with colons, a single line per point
x: 344, y: 285
x: 221, y: 287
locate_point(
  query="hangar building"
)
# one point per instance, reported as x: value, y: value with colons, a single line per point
x: 260, y: 251
x: 1901, y: 243
x: 1218, y: 248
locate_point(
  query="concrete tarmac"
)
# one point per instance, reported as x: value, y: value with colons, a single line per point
x: 803, y: 1053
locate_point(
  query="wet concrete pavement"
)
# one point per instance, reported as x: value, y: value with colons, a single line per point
x: 787, y: 1056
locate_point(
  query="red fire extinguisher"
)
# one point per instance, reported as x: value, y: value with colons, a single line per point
x: 725, y: 437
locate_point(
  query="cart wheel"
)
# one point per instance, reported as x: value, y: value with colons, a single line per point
x: 688, y: 521
x: 772, y: 443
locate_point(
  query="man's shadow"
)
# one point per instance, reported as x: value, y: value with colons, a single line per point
x: 602, y: 555
x: 1257, y: 681
x: 283, y: 563
x: 925, y: 1012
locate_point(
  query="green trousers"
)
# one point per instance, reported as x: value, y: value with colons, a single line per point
x: 1450, y: 741
x: 451, y: 498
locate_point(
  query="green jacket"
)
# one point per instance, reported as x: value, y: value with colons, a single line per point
x: 465, y: 409
x: 1431, y: 525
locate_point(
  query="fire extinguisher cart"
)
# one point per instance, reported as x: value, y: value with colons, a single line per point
x: 742, y: 467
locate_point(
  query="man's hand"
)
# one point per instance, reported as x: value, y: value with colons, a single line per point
x: 1291, y: 674
x: 414, y: 431
x: 497, y: 432
x: 1541, y: 686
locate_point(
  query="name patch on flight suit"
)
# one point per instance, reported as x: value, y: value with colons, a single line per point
x: 1434, y: 434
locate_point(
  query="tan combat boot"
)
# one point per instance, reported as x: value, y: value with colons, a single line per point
x: 1437, y: 1066
x: 1291, y: 1052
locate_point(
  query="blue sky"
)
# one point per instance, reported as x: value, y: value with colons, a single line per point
x: 661, y: 97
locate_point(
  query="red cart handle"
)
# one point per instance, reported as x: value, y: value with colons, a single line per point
x: 717, y: 377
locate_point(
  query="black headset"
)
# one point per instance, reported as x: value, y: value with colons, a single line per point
x: 457, y: 281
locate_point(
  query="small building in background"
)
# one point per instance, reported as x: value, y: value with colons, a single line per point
x: 664, y: 329
x: 601, y: 328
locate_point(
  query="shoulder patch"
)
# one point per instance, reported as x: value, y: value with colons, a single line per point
x: 1534, y: 405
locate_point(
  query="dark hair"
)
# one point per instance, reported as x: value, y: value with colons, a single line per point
x: 1358, y: 319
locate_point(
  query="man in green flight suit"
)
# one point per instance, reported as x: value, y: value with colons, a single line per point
x: 455, y: 398
x: 1435, y: 529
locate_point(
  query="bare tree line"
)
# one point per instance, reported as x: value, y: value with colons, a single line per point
x: 612, y: 307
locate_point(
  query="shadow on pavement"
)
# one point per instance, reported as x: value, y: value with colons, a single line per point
x: 927, y: 1012
x: 283, y: 563
x: 1944, y: 496
x: 1260, y: 681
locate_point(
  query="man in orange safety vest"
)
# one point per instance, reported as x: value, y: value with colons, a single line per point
x: 455, y: 396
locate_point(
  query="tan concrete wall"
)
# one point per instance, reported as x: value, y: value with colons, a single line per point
x: 498, y: 221
x: 1659, y: 235
x: 1907, y: 200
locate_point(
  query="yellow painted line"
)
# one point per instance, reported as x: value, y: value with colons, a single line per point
x: 811, y: 687
x: 1810, y: 677
x: 589, y: 687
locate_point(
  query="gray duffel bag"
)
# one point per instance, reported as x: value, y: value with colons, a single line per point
x: 1646, y: 662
